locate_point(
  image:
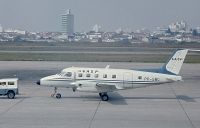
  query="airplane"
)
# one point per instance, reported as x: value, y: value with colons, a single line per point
x: 106, y: 80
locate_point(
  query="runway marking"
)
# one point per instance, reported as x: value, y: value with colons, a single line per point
x: 9, y: 108
x: 181, y: 105
x: 90, y: 124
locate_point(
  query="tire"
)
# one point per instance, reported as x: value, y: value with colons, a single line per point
x: 104, y: 97
x: 58, y: 95
x: 11, y: 95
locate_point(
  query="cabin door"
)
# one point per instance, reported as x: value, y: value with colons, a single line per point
x: 74, y: 76
x: 128, y: 82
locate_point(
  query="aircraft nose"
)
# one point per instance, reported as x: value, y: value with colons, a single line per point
x: 38, y: 82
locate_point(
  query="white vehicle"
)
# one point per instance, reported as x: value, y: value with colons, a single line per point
x: 104, y: 80
x: 9, y: 87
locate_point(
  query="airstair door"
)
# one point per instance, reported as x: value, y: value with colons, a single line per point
x: 128, y: 82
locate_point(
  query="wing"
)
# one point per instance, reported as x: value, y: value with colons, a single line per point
x: 104, y: 87
x: 91, y: 86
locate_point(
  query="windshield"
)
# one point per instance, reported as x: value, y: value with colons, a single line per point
x: 62, y: 73
x: 66, y: 74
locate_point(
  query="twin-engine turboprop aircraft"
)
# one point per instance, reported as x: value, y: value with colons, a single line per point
x: 105, y: 80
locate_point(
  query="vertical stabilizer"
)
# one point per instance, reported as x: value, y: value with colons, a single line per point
x: 176, y: 61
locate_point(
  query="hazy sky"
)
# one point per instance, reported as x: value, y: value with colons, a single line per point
x: 45, y: 15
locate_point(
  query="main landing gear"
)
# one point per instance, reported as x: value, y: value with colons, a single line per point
x: 58, y: 95
x: 104, y: 96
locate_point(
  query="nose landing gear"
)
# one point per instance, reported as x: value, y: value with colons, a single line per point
x: 58, y: 95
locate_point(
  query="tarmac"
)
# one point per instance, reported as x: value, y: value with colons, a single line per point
x: 175, y: 105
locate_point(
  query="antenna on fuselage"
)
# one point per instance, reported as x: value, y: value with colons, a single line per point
x: 107, y: 67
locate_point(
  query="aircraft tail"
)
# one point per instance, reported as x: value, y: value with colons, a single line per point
x: 175, y: 63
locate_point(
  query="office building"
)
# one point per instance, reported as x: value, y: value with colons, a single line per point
x: 68, y: 23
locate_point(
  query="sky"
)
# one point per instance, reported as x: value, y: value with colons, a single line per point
x: 130, y: 15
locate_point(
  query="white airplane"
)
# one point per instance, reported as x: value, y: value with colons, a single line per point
x: 104, y: 80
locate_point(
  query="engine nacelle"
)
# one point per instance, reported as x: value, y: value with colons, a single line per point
x: 85, y: 86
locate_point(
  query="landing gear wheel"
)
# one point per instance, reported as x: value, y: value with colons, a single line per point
x: 104, y: 97
x: 58, y: 95
x: 11, y: 95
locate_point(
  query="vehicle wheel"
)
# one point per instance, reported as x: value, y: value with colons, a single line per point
x: 58, y: 95
x: 104, y: 97
x: 11, y: 95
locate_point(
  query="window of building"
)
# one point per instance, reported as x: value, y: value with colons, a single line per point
x: 68, y: 74
x: 114, y: 76
x: 96, y: 75
x: 87, y: 75
x: 11, y: 83
x: 139, y: 77
x: 80, y: 75
x: 104, y: 75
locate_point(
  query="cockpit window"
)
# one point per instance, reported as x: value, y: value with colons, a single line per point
x: 62, y: 73
x: 68, y: 74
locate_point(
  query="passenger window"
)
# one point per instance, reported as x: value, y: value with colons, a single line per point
x: 104, y: 75
x: 156, y: 79
x: 87, y: 75
x: 3, y: 83
x: 11, y: 83
x: 139, y: 77
x: 80, y: 75
x: 114, y: 76
x: 69, y: 74
x: 96, y: 75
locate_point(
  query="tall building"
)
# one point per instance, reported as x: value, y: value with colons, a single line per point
x: 1, y: 28
x: 68, y: 23
x: 178, y: 26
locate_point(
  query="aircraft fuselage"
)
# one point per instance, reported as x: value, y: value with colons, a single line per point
x: 87, y: 79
